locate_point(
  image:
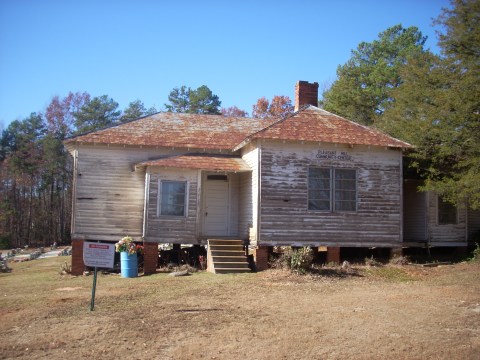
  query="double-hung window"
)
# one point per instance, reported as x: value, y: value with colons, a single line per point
x: 173, y: 198
x: 331, y: 189
x: 447, y: 212
x: 345, y: 190
x: 319, y: 188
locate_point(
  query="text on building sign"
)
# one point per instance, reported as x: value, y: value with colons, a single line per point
x: 333, y: 155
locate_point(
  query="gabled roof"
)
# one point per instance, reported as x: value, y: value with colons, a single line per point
x: 312, y: 124
x: 309, y: 124
x: 177, y: 130
x: 200, y: 161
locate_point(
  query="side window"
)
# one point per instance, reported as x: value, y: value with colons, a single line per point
x: 172, y: 198
x: 327, y: 186
x: 319, y: 188
x: 447, y: 213
x: 345, y: 190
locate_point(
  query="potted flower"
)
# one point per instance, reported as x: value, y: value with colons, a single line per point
x: 128, y: 256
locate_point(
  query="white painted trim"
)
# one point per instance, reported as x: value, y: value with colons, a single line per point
x: 199, y: 212
x: 74, y: 191
x: 229, y: 204
x: 146, y: 202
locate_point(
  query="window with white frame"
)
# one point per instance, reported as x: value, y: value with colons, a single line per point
x: 332, y: 189
x: 173, y: 198
x: 447, y: 212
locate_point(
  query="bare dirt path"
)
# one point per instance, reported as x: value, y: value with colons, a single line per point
x: 404, y: 312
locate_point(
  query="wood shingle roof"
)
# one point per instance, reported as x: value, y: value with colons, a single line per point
x: 309, y: 124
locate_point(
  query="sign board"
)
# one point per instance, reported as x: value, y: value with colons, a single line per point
x: 334, y: 155
x: 98, y: 254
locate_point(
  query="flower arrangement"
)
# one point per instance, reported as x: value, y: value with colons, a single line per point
x: 126, y: 244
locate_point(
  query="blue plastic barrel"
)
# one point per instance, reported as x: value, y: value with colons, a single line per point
x: 128, y: 265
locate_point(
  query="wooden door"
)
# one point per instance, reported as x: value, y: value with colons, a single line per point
x: 216, y: 209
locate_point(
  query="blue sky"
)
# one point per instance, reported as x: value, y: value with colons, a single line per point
x: 142, y: 49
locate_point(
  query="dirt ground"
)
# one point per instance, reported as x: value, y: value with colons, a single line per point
x: 406, y: 312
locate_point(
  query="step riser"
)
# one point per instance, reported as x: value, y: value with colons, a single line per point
x: 226, y: 258
x: 226, y: 247
x: 225, y: 265
x: 231, y: 271
x: 226, y: 242
x: 227, y: 253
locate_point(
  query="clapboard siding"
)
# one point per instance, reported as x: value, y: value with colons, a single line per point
x: 443, y: 235
x: 249, y: 190
x: 109, y: 193
x: 109, y: 198
x: 245, y: 205
x: 285, y: 218
x: 172, y: 229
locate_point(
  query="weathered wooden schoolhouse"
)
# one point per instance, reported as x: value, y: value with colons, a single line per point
x: 310, y: 179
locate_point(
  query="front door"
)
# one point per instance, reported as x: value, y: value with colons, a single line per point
x: 216, y: 206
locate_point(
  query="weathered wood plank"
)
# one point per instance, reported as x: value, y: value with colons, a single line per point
x: 172, y: 229
x: 285, y: 218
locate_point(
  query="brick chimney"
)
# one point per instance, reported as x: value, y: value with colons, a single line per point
x: 306, y: 94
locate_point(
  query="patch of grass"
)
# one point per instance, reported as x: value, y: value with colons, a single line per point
x: 390, y: 273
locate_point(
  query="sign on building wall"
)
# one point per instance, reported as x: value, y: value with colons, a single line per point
x: 98, y: 254
x: 334, y: 155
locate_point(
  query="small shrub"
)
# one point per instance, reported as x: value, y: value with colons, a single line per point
x: 299, y: 260
x: 302, y: 259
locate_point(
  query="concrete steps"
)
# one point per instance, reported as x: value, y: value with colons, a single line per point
x: 226, y: 257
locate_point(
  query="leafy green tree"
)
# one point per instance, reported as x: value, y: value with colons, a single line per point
x: 364, y: 84
x: 35, y: 183
x: 98, y: 113
x: 20, y: 143
x: 136, y: 109
x: 461, y: 41
x: 21, y: 169
x: 437, y: 108
x: 198, y: 101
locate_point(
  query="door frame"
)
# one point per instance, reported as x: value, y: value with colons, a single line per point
x: 204, y: 202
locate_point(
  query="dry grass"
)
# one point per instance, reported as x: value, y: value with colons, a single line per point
x: 397, y: 312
